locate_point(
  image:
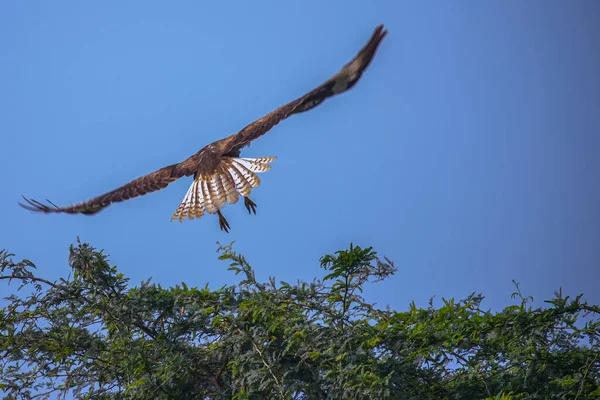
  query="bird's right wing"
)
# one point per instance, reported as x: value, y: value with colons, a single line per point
x: 339, y: 83
x: 138, y: 187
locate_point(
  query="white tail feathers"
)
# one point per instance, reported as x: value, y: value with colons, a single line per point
x: 212, y: 193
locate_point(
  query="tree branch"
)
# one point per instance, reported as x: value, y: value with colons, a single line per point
x: 33, y: 278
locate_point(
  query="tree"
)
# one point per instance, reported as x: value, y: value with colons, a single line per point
x: 94, y: 336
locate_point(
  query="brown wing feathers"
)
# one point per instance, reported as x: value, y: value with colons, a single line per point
x: 339, y: 83
x: 138, y: 187
x: 345, y: 78
x: 213, y: 176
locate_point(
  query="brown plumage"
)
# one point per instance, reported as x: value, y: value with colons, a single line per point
x: 220, y: 175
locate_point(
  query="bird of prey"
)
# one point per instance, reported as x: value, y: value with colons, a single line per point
x: 220, y: 174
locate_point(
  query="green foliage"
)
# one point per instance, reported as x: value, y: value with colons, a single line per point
x: 95, y: 336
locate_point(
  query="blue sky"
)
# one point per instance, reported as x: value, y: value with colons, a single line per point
x: 468, y: 153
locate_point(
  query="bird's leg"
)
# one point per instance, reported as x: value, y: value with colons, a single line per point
x: 223, y: 224
x: 250, y: 205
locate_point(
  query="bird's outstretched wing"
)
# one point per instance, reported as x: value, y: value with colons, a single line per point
x: 339, y: 83
x: 208, y: 160
x: 138, y: 187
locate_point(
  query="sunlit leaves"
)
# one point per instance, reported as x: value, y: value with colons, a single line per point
x: 94, y: 335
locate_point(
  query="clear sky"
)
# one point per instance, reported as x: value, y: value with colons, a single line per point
x: 469, y: 152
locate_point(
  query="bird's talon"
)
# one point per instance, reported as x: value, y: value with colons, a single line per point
x: 250, y: 205
x: 223, y: 224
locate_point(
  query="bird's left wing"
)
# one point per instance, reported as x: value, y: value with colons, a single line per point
x: 151, y: 182
x: 339, y: 83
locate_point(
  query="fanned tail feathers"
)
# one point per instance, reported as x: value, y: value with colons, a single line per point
x: 233, y: 177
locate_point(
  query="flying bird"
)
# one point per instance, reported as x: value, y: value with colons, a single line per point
x: 220, y: 174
